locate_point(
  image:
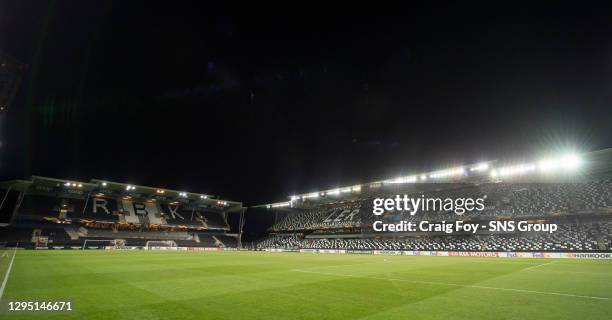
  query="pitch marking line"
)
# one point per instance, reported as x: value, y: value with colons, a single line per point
x: 460, y: 285
x: 537, y: 266
x: 6, y: 276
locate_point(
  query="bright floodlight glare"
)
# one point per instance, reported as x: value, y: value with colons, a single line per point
x: 313, y: 195
x: 570, y: 161
x: 67, y: 184
x: 548, y: 164
x: 408, y: 179
x: 494, y: 173
x: 333, y: 192
x: 277, y: 205
x: 423, y: 177
x: 104, y: 184
x: 480, y: 167
x: 80, y: 185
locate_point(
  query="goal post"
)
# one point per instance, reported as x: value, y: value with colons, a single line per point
x: 114, y: 243
x: 160, y: 245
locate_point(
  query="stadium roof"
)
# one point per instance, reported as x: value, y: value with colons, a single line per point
x: 105, y: 186
x: 550, y: 169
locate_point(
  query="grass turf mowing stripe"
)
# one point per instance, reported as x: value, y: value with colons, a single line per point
x: 458, y: 285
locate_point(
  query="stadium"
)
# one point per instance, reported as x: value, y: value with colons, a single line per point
x: 176, y: 161
x: 321, y: 242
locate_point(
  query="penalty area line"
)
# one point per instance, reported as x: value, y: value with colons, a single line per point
x: 460, y: 285
x: 6, y: 276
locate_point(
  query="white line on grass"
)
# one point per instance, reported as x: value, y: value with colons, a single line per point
x: 537, y: 266
x: 6, y: 276
x: 460, y: 285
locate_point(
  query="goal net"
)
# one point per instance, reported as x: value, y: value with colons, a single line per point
x: 160, y: 245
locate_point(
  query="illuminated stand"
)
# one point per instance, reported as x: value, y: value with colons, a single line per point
x: 75, y: 211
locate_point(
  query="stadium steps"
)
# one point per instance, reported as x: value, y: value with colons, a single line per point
x: 83, y: 232
x: 218, y: 242
x: 601, y: 243
x: 72, y: 233
x: 227, y: 241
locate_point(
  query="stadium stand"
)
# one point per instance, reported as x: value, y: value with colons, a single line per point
x: 47, y: 212
x: 528, y: 200
x: 580, y: 204
x: 567, y: 238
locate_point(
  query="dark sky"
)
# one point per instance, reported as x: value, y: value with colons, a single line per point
x: 255, y: 104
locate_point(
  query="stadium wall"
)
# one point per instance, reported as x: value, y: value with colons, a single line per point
x: 545, y: 255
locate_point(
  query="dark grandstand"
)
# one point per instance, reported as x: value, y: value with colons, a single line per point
x: 53, y: 213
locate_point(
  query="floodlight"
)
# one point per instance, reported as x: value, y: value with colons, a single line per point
x: 333, y: 192
x: 480, y: 167
x: 548, y: 164
x: 281, y: 204
x: 570, y: 161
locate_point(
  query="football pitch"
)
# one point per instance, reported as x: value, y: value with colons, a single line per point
x: 257, y: 285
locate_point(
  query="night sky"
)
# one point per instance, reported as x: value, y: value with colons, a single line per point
x: 257, y: 106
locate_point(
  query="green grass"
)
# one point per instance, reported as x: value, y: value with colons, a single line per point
x: 247, y: 285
